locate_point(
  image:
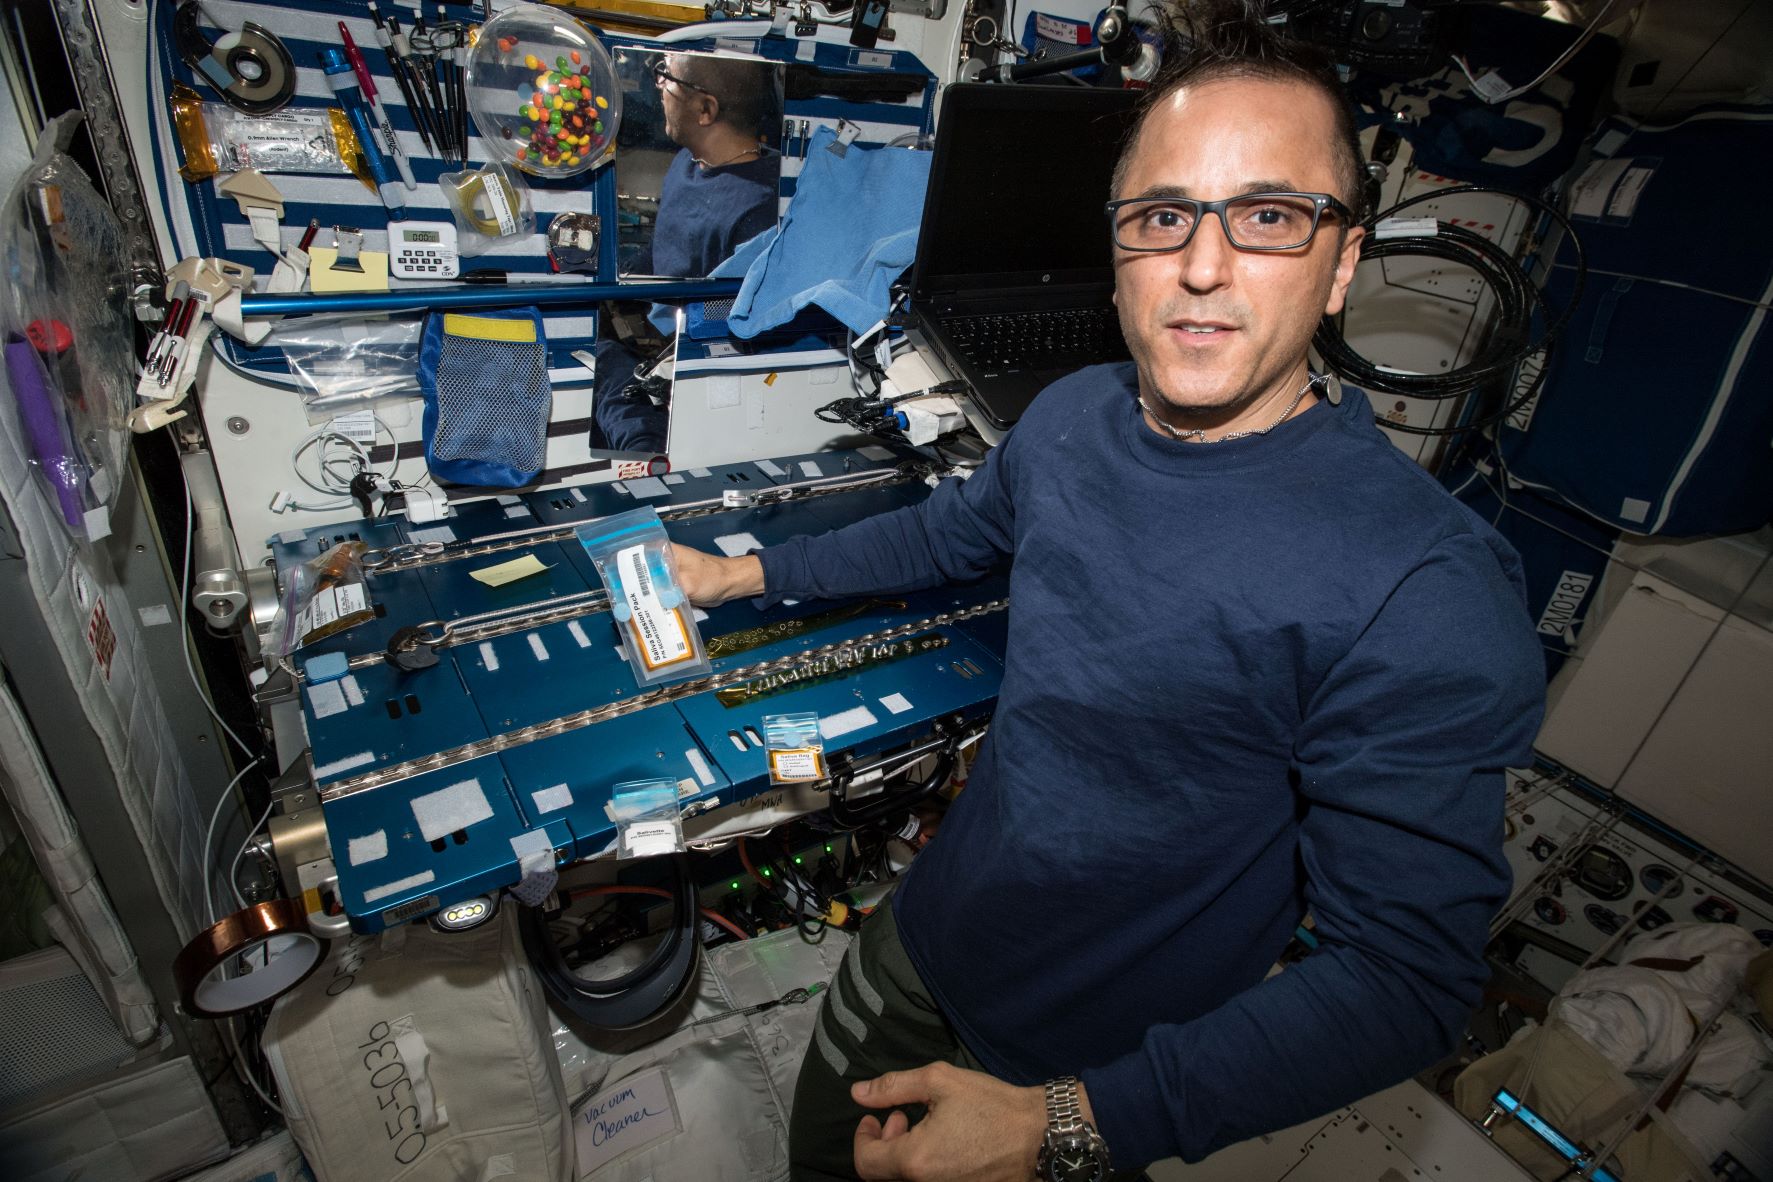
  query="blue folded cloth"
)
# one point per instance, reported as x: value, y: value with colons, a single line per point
x: 850, y: 231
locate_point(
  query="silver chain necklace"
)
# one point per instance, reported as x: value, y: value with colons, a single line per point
x: 1200, y: 434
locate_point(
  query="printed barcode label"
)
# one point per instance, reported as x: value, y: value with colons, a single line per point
x: 331, y: 603
x: 796, y: 763
x: 658, y: 630
x: 500, y: 208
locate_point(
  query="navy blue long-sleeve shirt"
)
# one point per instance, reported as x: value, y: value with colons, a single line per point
x: 1243, y: 680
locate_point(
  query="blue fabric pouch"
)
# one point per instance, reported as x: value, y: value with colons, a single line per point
x: 487, y: 397
x: 850, y: 231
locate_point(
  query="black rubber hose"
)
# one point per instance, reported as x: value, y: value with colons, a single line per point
x: 633, y: 998
x: 849, y: 816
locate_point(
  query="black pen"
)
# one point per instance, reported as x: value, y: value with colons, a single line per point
x: 385, y: 39
x: 488, y: 275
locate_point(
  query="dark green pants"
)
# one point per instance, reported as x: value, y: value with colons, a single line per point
x: 877, y: 1017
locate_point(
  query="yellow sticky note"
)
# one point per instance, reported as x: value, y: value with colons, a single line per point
x: 510, y: 572
x: 322, y: 276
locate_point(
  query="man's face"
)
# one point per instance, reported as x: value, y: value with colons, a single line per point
x: 1213, y: 328
x: 679, y: 101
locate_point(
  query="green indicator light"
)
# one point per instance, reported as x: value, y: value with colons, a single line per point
x: 827, y: 849
x: 797, y: 859
x: 766, y: 871
x: 735, y: 886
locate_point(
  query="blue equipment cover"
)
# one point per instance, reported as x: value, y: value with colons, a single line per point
x: 1656, y: 415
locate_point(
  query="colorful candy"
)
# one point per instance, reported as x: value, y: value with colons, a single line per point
x: 559, y: 116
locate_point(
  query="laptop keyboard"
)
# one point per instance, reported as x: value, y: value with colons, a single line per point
x: 1037, y: 340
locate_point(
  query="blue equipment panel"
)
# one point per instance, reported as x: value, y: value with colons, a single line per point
x: 379, y: 715
x: 550, y: 785
x: 435, y: 839
x: 874, y: 710
x: 457, y: 593
x: 569, y: 777
x: 530, y: 677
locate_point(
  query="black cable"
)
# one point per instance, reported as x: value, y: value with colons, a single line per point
x: 1511, y: 342
x: 855, y: 816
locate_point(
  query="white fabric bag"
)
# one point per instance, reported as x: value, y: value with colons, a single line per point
x: 422, y: 1055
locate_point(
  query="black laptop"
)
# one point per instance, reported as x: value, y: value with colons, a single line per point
x: 1013, y: 279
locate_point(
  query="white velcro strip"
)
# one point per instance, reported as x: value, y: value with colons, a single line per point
x: 733, y: 545
x: 443, y: 812
x: 375, y: 894
x: 897, y: 703
x: 703, y: 772
x: 371, y: 848
x: 549, y: 800
x: 326, y: 699
x: 322, y: 771
x: 853, y: 719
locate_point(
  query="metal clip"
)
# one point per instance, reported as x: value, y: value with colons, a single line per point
x: 413, y: 648
x: 846, y: 135
x: 349, y: 241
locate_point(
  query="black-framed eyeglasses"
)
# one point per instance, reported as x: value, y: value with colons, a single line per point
x: 1255, y: 221
x: 661, y: 75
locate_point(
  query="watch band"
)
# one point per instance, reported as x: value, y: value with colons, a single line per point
x: 1064, y: 1113
x: 1072, y: 1150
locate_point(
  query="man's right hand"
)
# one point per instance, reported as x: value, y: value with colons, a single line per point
x: 710, y: 581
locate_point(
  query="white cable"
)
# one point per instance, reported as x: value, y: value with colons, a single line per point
x: 234, y: 866
x: 730, y: 28
x: 1588, y: 33
x: 209, y: 837
x: 323, y: 441
x: 331, y: 481
x: 243, y: 1071
x: 393, y: 442
x: 185, y: 633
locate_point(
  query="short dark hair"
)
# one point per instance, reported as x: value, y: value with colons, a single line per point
x: 744, y: 89
x: 1212, y: 40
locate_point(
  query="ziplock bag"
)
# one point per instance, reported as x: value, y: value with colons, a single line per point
x: 633, y: 557
x: 69, y: 339
x: 324, y: 596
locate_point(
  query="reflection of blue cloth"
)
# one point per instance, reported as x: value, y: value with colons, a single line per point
x: 1527, y: 142
x: 850, y: 231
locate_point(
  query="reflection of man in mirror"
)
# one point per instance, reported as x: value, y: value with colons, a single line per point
x: 719, y: 191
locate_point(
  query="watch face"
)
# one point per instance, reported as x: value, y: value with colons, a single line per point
x: 1075, y: 1159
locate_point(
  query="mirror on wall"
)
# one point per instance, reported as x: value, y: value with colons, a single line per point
x: 697, y: 165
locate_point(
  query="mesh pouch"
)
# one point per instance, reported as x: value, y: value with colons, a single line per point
x: 487, y: 399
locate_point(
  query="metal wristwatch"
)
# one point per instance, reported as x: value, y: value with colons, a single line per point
x: 1073, y: 1150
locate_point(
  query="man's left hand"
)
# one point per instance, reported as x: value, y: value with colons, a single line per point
x: 979, y: 1129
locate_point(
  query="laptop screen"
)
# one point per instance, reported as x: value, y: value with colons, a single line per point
x: 1017, y: 184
